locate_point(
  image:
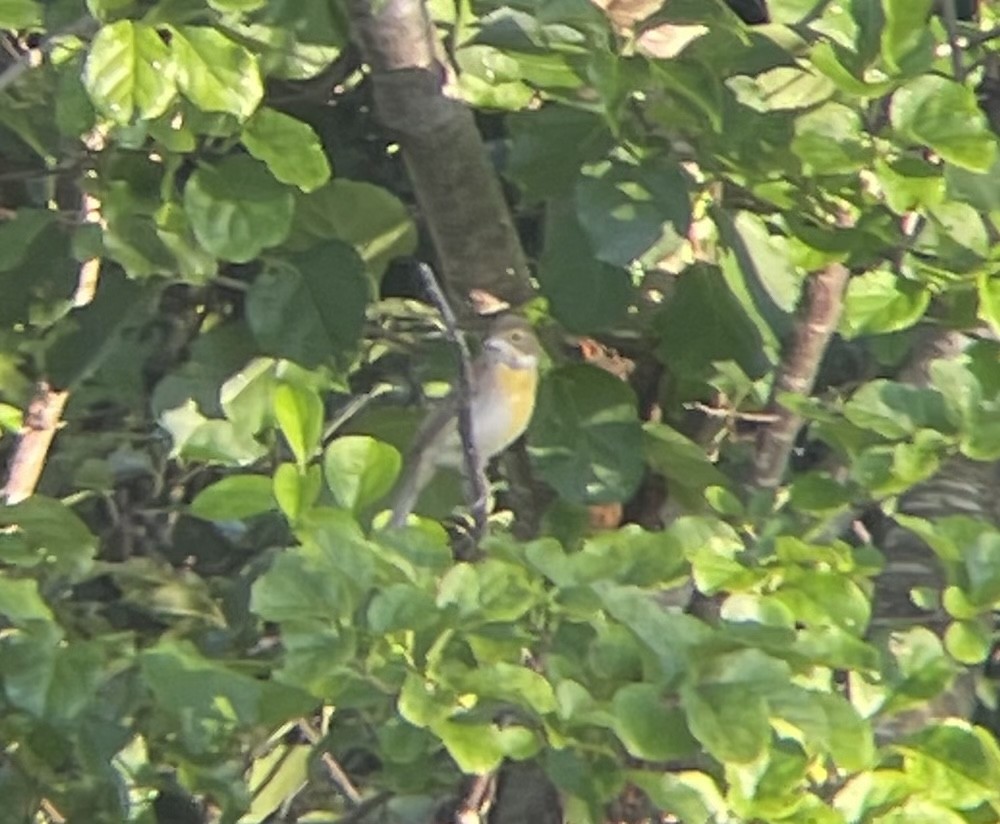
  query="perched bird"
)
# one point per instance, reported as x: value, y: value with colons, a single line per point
x: 504, y: 383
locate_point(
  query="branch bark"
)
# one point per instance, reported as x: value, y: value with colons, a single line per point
x: 44, y: 413
x: 456, y: 185
x: 819, y: 313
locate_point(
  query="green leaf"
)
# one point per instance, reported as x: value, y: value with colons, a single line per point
x: 829, y: 141
x: 360, y: 470
x: 896, y: 410
x: 945, y: 116
x: 237, y: 209
x: 371, y: 219
x: 18, y: 235
x: 19, y: 14
x: 878, y: 302
x: 633, y: 209
x: 648, y: 726
x: 585, y: 438
x: 96, y: 331
x: 691, y: 796
x: 275, y: 777
x: 476, y: 748
x: 210, y: 700
x: 905, y: 30
x: 703, y: 322
x: 732, y: 725
x: 584, y: 293
x: 918, y: 669
x: 669, y: 636
x: 518, y: 685
x: 21, y: 604
x: 215, y: 73
x: 53, y: 682
x: 401, y: 607
x: 680, y: 460
x: 54, y: 534
x: 314, y: 312
x: 295, y: 491
x: 968, y: 642
x: 549, y: 146
x: 289, y: 147
x: 320, y: 582
x: 299, y: 412
x: 954, y: 763
x: 130, y: 72
x: 234, y: 498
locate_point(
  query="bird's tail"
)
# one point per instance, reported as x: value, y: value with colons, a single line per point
x: 417, y: 473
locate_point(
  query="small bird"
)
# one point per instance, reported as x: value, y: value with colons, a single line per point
x: 504, y: 384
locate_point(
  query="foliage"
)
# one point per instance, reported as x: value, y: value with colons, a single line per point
x: 206, y: 563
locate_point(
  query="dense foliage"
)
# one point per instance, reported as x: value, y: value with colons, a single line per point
x: 203, y: 241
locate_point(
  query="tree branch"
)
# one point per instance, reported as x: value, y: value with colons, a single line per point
x: 950, y: 17
x: 472, y: 460
x: 455, y: 183
x: 46, y: 406
x: 32, y: 58
x: 819, y: 313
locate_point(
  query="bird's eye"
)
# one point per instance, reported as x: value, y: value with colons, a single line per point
x: 517, y: 335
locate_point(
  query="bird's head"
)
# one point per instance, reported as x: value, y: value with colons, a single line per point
x: 512, y: 342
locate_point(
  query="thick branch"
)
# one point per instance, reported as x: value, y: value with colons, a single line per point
x: 818, y: 316
x: 455, y: 183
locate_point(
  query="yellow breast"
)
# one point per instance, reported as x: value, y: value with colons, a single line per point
x: 518, y: 387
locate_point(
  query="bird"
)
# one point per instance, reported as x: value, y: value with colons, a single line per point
x: 504, y: 384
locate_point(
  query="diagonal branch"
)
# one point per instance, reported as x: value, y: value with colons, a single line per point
x: 45, y: 409
x: 819, y: 314
x: 472, y: 460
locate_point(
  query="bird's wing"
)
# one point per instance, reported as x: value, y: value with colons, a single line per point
x: 421, y: 458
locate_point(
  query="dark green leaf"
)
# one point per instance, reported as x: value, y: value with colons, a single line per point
x: 633, y: 209
x: 314, y: 312
x: 648, y: 726
x: 114, y: 319
x: 703, y: 322
x: 549, y: 146
x: 585, y: 438
x: 369, y: 218
x: 585, y: 294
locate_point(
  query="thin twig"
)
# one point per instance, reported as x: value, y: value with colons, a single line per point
x: 337, y: 774
x: 32, y: 58
x: 950, y: 17
x: 478, y: 799
x: 982, y: 37
x: 474, y: 468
